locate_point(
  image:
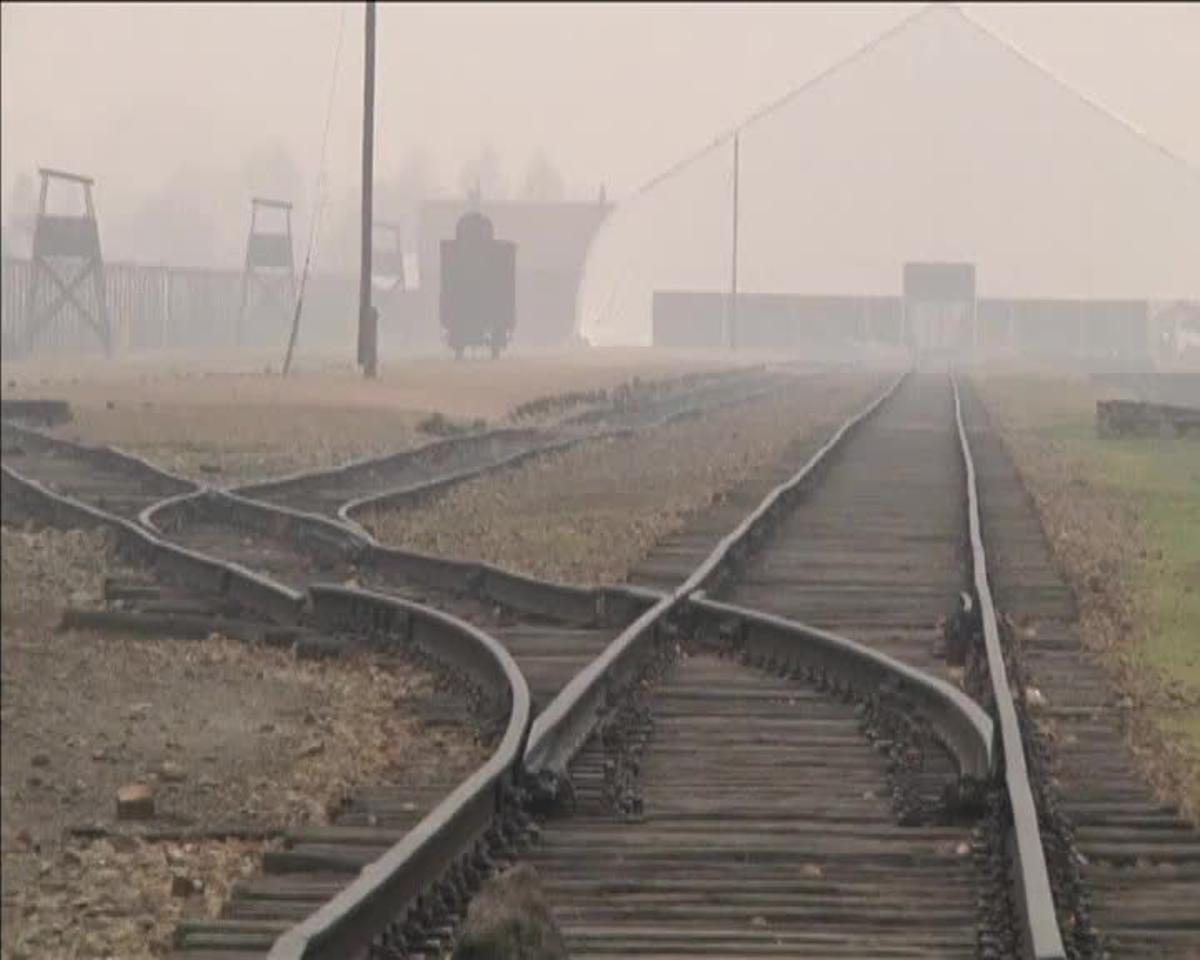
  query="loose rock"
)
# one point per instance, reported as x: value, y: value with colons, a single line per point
x: 135, y: 801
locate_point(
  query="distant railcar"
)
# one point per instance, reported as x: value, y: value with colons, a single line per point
x: 477, y: 303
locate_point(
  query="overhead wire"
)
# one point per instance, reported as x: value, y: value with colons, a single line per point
x: 318, y: 192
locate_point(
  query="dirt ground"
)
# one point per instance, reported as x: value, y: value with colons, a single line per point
x: 225, y: 734
x: 199, y: 419
x: 1123, y: 517
x: 589, y: 514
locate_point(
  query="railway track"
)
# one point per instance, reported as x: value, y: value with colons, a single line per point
x: 341, y: 492
x: 1130, y: 864
x: 758, y: 816
x: 112, y: 480
x: 550, y: 630
x: 791, y: 775
x: 805, y: 732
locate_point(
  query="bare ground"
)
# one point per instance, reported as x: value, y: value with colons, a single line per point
x: 589, y: 514
x: 224, y: 733
x: 228, y: 427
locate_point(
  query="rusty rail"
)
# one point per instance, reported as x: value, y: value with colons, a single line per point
x: 570, y: 718
x: 1030, y: 879
x: 451, y: 833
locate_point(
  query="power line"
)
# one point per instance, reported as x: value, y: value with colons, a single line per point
x: 780, y: 102
x: 318, y: 191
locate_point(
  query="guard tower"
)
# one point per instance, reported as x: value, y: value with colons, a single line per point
x: 269, y: 275
x: 66, y: 256
x: 939, y: 308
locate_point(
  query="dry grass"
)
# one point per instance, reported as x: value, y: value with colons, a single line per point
x: 589, y: 514
x: 227, y: 733
x: 201, y: 419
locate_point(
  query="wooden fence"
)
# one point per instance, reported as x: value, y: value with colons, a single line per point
x: 167, y: 308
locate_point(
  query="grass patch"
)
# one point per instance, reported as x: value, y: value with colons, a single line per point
x: 1160, y: 481
x: 1149, y: 487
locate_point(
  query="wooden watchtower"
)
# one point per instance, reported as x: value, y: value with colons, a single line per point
x: 269, y: 274
x: 66, y: 260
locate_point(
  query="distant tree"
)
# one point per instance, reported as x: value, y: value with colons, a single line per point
x: 398, y: 196
x: 272, y: 172
x: 483, y: 172
x: 543, y: 182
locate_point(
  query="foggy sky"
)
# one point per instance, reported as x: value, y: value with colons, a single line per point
x: 189, y: 108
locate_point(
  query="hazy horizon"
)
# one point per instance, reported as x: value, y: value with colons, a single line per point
x: 599, y: 94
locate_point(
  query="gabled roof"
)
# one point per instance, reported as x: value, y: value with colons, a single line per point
x: 930, y: 12
x: 938, y: 140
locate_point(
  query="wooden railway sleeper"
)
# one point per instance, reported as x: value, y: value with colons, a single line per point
x: 1063, y: 860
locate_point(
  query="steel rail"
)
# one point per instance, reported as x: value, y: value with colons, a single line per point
x: 521, y: 593
x: 1034, y: 899
x: 560, y: 731
x: 353, y: 920
x: 105, y: 456
x: 362, y: 911
x: 562, y: 728
x: 960, y: 723
x: 416, y: 491
x: 176, y: 562
x: 256, y: 488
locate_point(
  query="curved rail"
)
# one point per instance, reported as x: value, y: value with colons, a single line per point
x: 107, y: 459
x: 960, y: 723
x: 1034, y: 901
x: 560, y: 731
x: 178, y: 563
x: 414, y: 493
x: 564, y: 726
x: 350, y: 922
x: 354, y: 918
x: 347, y: 473
x: 423, y: 488
x: 528, y: 441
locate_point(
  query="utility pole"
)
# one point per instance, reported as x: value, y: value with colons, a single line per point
x: 731, y: 322
x: 368, y: 327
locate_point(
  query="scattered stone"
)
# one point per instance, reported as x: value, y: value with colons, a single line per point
x: 171, y: 772
x: 312, y: 748
x: 510, y: 918
x: 135, y: 801
x: 182, y: 886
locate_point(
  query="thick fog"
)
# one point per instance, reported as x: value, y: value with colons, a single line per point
x: 182, y: 112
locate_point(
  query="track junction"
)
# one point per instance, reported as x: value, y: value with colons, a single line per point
x: 797, y: 731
